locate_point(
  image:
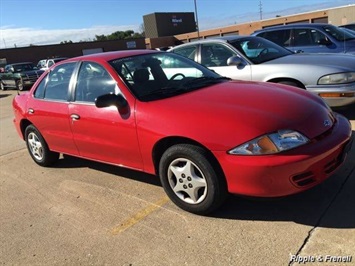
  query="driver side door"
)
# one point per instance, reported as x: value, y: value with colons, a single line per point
x: 102, y: 134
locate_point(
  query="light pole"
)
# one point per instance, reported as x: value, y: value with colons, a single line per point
x: 197, y: 27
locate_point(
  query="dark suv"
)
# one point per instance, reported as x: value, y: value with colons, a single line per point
x: 310, y: 38
x: 19, y: 76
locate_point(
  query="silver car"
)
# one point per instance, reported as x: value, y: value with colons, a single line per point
x: 331, y: 76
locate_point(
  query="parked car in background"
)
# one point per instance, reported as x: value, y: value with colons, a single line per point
x: 45, y: 64
x: 350, y: 26
x: 203, y: 134
x: 330, y: 76
x: 310, y: 38
x: 19, y: 76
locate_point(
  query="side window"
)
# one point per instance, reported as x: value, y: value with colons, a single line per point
x: 93, y: 81
x: 39, y: 93
x: 317, y: 37
x: 58, y: 80
x: 280, y: 37
x: 304, y: 37
x: 188, y: 52
x: 215, y: 55
x: 50, y: 63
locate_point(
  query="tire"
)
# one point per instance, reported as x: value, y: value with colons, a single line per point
x: 2, y: 86
x: 38, y: 148
x: 19, y: 85
x: 190, y: 180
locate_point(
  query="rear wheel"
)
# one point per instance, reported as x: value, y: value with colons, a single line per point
x: 2, y: 86
x: 38, y: 148
x: 190, y: 179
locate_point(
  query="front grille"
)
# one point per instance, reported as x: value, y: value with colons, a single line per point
x: 32, y: 77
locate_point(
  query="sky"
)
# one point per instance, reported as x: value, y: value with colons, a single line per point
x: 42, y: 22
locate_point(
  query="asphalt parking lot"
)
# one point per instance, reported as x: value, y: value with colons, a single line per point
x: 85, y: 213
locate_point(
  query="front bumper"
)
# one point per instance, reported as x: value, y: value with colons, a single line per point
x: 288, y: 172
x: 346, y: 93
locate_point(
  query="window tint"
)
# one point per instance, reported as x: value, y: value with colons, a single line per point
x: 39, y: 93
x: 215, y: 55
x: 188, y: 52
x: 308, y: 37
x: 58, y: 80
x: 280, y: 37
x: 93, y: 81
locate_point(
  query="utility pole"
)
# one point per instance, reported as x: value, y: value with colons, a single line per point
x: 261, y: 10
x: 197, y: 27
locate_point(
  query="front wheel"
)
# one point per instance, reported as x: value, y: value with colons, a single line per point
x: 190, y: 179
x: 19, y: 85
x: 38, y: 148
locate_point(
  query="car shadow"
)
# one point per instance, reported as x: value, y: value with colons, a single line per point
x: 347, y: 111
x: 326, y: 205
x: 74, y: 162
x: 5, y: 95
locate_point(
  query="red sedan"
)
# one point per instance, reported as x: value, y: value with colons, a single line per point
x: 204, y: 135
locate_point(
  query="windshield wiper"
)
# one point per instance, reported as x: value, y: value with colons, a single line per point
x: 164, y: 91
x: 203, y: 81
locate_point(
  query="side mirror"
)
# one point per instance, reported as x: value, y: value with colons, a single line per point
x: 234, y: 61
x: 107, y: 100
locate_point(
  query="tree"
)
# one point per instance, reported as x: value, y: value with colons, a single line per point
x: 66, y: 42
x: 118, y: 35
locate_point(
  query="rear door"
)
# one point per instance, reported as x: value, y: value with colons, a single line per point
x: 48, y: 109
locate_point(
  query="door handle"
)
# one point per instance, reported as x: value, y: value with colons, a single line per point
x: 30, y: 111
x: 75, y: 117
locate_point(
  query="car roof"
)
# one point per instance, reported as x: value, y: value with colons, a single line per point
x: 296, y: 25
x: 228, y: 38
x: 21, y: 63
x: 108, y: 56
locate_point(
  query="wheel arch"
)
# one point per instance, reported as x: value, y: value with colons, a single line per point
x: 162, y: 145
x: 23, y: 125
x: 278, y: 80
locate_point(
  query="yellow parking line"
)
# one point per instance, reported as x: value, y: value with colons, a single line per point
x: 140, y: 216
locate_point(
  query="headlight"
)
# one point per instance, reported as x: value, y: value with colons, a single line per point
x: 282, y: 140
x: 339, y: 78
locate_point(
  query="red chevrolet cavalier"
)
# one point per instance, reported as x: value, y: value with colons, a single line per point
x: 204, y: 135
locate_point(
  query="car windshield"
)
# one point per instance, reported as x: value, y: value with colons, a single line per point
x: 339, y: 33
x: 160, y: 75
x: 23, y: 67
x: 259, y: 50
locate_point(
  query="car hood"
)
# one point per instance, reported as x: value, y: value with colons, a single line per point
x: 230, y: 113
x: 341, y: 61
